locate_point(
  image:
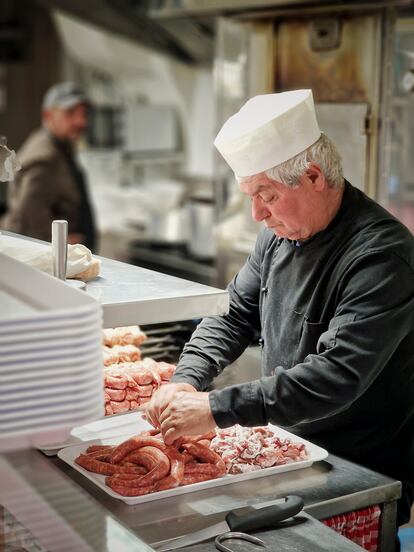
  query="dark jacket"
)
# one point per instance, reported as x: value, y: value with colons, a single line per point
x: 336, y: 315
x: 49, y: 186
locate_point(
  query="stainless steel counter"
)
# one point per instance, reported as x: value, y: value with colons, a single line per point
x: 134, y: 295
x: 328, y: 488
x: 302, y: 534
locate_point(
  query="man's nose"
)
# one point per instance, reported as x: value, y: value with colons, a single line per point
x: 259, y: 211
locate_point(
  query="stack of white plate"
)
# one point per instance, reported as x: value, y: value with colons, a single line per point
x: 50, y: 357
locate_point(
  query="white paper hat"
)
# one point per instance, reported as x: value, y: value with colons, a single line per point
x: 268, y: 130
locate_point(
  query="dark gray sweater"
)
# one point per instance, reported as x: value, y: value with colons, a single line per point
x: 336, y: 315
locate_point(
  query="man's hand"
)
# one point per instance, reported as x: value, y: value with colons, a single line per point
x: 161, y: 398
x: 186, y: 414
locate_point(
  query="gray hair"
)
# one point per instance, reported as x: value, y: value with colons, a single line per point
x: 323, y: 152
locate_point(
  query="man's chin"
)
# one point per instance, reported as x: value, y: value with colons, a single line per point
x: 282, y: 232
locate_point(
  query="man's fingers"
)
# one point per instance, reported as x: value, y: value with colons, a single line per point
x: 171, y: 435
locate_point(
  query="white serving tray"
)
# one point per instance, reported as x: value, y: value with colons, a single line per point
x: 117, y: 425
x: 69, y: 454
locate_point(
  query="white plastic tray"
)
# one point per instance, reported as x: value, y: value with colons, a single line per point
x: 70, y: 453
x: 125, y: 423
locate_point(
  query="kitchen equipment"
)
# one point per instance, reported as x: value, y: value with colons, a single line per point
x: 169, y: 227
x: 105, y: 126
x: 235, y: 535
x: 151, y: 128
x: 201, y: 240
x: 59, y: 248
x: 269, y: 516
x: 38, y: 403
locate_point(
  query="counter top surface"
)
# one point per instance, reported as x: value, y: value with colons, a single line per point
x: 328, y: 488
x: 135, y: 295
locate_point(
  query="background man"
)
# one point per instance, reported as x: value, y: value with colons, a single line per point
x: 330, y: 287
x: 50, y: 184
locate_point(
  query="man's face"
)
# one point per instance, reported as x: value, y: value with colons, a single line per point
x: 294, y: 213
x: 67, y: 124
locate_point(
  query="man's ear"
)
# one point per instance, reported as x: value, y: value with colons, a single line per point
x: 46, y: 116
x: 316, y: 177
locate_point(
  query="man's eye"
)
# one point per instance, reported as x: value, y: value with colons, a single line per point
x: 267, y: 198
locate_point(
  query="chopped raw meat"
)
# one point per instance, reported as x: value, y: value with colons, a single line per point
x: 127, y: 335
x: 246, y: 449
x: 128, y: 380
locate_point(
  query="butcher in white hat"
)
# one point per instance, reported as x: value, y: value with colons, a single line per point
x: 328, y: 287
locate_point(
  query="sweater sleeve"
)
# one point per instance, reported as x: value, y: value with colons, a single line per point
x: 374, y: 314
x: 220, y: 340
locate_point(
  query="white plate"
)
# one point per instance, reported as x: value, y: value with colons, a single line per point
x: 73, y: 394
x: 67, y: 374
x: 71, y: 416
x: 47, y: 387
x: 70, y: 453
x: 76, y: 402
x: 50, y: 366
x: 39, y: 330
x: 52, y: 375
x: 49, y: 335
x: 42, y: 319
x: 51, y: 345
x: 72, y: 349
x: 49, y: 431
x: 29, y: 297
x: 125, y: 423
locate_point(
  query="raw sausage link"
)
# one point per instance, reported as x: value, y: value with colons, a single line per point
x: 197, y: 467
x: 96, y: 466
x: 101, y: 448
x: 132, y: 444
x: 127, y: 491
x: 176, y: 474
x: 105, y: 468
x: 151, y: 458
x: 196, y: 478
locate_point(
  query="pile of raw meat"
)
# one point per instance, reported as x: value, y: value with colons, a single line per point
x: 245, y: 449
x: 129, y: 381
x: 145, y: 464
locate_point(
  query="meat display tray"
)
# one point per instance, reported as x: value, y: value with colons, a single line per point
x: 69, y: 454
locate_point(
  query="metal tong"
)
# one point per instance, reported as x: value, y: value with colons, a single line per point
x: 235, y: 535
